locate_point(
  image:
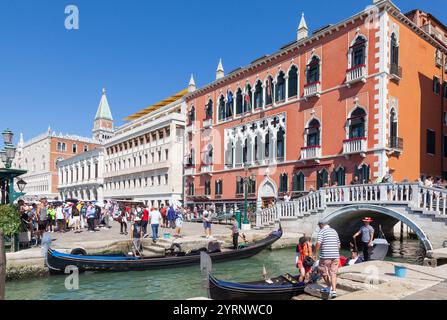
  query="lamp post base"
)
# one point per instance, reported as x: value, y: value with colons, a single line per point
x: 246, y: 226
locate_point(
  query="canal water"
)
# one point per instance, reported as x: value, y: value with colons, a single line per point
x: 177, y: 283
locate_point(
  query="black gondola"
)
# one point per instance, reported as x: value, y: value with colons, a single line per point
x: 57, y: 261
x: 284, y: 287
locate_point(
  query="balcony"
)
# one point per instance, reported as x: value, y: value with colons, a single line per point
x: 189, y: 171
x: 190, y: 128
x: 311, y: 153
x: 207, y: 123
x: 206, y: 169
x: 312, y: 90
x: 396, y: 144
x: 354, y: 146
x: 356, y: 74
x: 396, y: 72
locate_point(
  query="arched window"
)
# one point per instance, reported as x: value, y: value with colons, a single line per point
x: 339, y: 176
x: 239, y: 101
x: 362, y: 173
x: 209, y: 110
x: 229, y: 107
x: 313, y: 133
x: 258, y: 95
x: 267, y: 145
x: 222, y: 108
x: 269, y: 91
x: 207, y: 187
x: 218, y: 187
x: 256, y: 149
x: 394, y: 51
x: 191, y: 188
x: 283, y: 182
x: 322, y: 178
x: 209, y: 155
x: 247, y: 98
x: 280, y: 94
x: 293, y: 82
x: 245, y: 152
x: 280, y: 145
x: 192, y: 114
x: 298, y: 182
x: 313, y: 70
x: 357, y: 124
x: 394, y: 140
x: 358, y: 52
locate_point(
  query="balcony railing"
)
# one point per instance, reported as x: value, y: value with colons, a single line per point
x: 396, y: 72
x: 207, y: 168
x: 311, y: 153
x: 191, y: 128
x: 356, y: 74
x: 207, y: 123
x: 189, y: 171
x: 354, y: 145
x: 312, y: 90
x: 396, y: 143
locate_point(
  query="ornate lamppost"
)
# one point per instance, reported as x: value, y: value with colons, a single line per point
x: 246, y: 223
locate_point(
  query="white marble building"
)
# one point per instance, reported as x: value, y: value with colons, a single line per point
x: 143, y: 161
x: 81, y: 177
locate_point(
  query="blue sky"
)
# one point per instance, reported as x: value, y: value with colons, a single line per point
x: 141, y: 51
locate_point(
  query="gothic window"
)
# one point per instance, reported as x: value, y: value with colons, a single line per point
x: 280, y: 87
x: 245, y: 152
x: 247, y: 98
x: 258, y: 95
x: 267, y: 145
x: 207, y: 188
x: 191, y: 188
x: 209, y: 109
x: 322, y: 178
x: 357, y: 124
x: 252, y: 185
x: 222, y: 108
x: 313, y: 70
x: 283, y: 182
x: 394, y: 51
x: 293, y: 82
x: 298, y: 182
x: 229, y: 107
x: 209, y: 155
x: 358, y: 52
x: 393, y: 129
x: 192, y: 114
x: 362, y: 173
x: 256, y: 149
x: 313, y: 133
x: 239, y: 185
x: 339, y: 176
x: 280, y: 145
x: 218, y: 187
x: 239, y: 101
x: 269, y: 91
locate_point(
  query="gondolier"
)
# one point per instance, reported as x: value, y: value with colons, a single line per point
x: 367, y: 237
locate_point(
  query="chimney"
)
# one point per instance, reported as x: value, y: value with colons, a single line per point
x: 220, y: 73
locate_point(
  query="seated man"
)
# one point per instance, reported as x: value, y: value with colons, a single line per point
x: 354, y: 259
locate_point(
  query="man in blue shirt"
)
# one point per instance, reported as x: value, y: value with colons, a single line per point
x: 367, y: 237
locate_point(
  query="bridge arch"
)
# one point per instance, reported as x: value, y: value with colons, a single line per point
x: 342, y: 219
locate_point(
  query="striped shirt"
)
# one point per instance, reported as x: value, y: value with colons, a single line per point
x: 330, y: 242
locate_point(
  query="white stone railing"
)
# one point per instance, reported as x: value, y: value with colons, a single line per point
x: 190, y: 128
x: 190, y: 171
x: 355, y: 145
x: 431, y: 200
x: 207, y: 168
x: 310, y: 153
x: 312, y: 89
x: 355, y: 74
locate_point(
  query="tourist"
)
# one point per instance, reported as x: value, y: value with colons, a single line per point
x: 206, y: 217
x: 235, y: 232
x: 76, y: 216
x: 145, y: 221
x: 51, y: 217
x: 137, y: 233
x: 42, y: 218
x: 60, y: 219
x: 304, y: 258
x: 287, y: 197
x: 328, y: 243
x: 67, y: 215
x: 155, y: 218
x: 164, y: 216
x: 91, y: 216
x: 171, y: 215
x: 367, y: 237
x: 83, y: 212
x: 178, y: 221
x: 355, y: 181
x: 354, y: 259
x: 122, y: 219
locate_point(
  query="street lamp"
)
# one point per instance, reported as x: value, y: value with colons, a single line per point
x: 7, y: 136
x: 21, y: 184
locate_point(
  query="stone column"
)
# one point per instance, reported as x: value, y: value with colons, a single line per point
x: 286, y: 77
x: 264, y: 95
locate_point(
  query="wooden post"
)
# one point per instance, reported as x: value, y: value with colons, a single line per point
x: 2, y: 266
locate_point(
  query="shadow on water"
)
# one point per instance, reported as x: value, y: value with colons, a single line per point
x: 177, y: 283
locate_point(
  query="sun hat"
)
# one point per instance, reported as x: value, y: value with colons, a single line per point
x: 367, y: 219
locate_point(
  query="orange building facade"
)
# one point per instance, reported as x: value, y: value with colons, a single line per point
x: 359, y: 99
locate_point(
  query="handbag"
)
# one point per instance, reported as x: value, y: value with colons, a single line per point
x: 308, y: 262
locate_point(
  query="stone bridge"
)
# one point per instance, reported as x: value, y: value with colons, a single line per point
x: 422, y: 209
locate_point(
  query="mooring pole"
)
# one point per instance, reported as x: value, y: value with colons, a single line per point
x: 401, y: 231
x: 2, y: 266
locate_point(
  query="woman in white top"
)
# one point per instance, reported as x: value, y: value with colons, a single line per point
x: 60, y: 219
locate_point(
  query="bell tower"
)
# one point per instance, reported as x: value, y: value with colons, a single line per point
x: 103, y: 125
